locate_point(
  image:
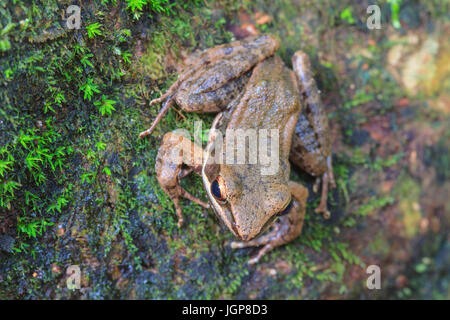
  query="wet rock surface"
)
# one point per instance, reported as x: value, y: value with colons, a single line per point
x: 79, y: 188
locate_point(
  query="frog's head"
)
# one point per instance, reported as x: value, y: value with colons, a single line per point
x: 246, y: 201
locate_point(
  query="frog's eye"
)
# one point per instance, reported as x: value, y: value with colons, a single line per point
x: 217, y: 188
x: 286, y: 210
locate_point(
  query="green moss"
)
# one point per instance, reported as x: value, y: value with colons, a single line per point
x: 407, y: 192
x: 373, y: 204
x: 380, y: 244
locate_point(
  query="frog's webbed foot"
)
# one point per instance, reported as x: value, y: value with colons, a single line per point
x: 269, y: 241
x: 284, y: 230
x: 177, y: 157
x: 327, y: 179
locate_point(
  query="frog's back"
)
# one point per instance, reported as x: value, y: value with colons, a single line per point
x: 270, y: 101
x: 213, y: 78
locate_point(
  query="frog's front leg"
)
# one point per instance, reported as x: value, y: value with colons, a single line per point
x: 285, y: 229
x: 177, y: 157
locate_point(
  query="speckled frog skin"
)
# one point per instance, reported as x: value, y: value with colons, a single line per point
x: 249, y: 87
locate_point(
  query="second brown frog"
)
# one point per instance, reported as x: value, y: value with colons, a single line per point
x: 249, y: 87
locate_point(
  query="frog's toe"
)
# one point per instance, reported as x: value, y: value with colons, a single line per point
x: 268, y: 247
x: 158, y: 100
x: 323, y: 210
x: 237, y: 244
x: 167, y: 105
x: 317, y: 184
x: 253, y: 261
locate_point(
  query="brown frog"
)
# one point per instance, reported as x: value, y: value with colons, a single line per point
x: 251, y: 89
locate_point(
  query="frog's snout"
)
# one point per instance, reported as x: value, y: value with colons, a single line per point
x: 242, y: 234
x: 246, y: 235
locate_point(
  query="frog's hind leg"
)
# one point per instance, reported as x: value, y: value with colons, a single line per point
x: 287, y: 228
x: 168, y: 97
x: 327, y: 180
x: 313, y: 132
x: 177, y: 157
x: 330, y: 173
